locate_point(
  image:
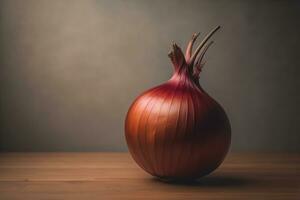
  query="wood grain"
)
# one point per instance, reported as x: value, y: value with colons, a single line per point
x: 116, y: 176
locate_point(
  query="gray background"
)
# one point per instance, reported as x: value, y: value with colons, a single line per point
x: 70, y: 69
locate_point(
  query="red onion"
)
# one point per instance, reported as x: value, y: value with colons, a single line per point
x: 176, y: 130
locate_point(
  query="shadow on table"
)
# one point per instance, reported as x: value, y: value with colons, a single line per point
x: 211, y: 181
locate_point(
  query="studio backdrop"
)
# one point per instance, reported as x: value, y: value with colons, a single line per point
x: 69, y: 70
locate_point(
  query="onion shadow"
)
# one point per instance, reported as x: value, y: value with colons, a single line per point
x: 210, y: 181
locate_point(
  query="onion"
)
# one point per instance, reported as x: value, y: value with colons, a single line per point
x: 176, y: 130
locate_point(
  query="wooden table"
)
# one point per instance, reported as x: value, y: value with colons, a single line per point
x: 116, y: 176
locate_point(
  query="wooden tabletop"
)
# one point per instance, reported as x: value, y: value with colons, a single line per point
x: 116, y: 176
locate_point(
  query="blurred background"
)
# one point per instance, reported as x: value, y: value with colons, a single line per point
x: 69, y: 70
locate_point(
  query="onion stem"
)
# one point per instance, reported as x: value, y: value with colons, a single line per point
x: 208, y: 36
x: 189, y: 48
x: 201, y: 55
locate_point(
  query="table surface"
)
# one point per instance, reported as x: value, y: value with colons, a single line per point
x: 116, y: 176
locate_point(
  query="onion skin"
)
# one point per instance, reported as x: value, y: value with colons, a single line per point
x: 176, y: 130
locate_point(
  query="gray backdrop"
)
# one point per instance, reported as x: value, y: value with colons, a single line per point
x: 70, y: 69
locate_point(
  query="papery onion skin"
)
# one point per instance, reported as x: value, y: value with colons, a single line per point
x: 176, y: 130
